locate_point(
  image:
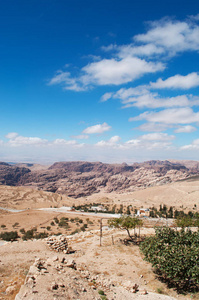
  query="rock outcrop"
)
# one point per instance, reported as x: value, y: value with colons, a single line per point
x: 80, y: 179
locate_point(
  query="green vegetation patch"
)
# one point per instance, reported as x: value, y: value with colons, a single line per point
x: 175, y: 257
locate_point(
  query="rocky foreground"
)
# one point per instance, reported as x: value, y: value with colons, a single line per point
x: 80, y: 179
x: 89, y: 272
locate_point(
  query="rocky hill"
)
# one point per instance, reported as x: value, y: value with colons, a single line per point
x: 77, y: 179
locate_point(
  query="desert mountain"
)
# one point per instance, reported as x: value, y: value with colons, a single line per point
x: 77, y: 179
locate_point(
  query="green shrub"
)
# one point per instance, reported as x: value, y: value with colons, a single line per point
x: 56, y: 220
x: 41, y: 235
x: 3, y: 226
x: 64, y: 224
x: 103, y: 297
x: 175, y: 257
x: 22, y: 230
x: 75, y: 231
x: 100, y: 292
x: 58, y: 233
x: 28, y: 235
x: 125, y: 223
x: 9, y: 236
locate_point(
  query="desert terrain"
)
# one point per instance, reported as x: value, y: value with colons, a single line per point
x: 113, y: 267
x: 81, y: 179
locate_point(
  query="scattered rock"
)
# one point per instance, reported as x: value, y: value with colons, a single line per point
x: 10, y: 290
x: 59, y: 244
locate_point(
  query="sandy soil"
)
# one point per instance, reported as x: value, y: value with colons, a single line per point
x: 114, y: 268
x: 179, y: 194
x: 119, y: 265
x: 182, y: 194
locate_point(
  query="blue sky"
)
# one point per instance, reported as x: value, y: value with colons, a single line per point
x: 111, y: 81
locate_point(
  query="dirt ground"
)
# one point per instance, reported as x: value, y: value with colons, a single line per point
x: 113, y: 263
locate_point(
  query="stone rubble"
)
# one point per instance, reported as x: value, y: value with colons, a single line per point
x: 59, y: 244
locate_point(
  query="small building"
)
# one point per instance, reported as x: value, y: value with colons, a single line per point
x: 143, y: 212
x: 98, y: 208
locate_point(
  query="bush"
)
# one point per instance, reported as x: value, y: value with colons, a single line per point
x: 3, y: 226
x: 175, y: 257
x: 75, y: 231
x: 41, y: 235
x: 9, y: 236
x: 64, y: 224
x: 56, y: 220
x: 100, y: 292
x: 125, y: 223
x: 22, y: 230
x: 28, y: 235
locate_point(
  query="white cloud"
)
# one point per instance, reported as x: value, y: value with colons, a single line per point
x: 99, y: 128
x: 64, y: 142
x: 11, y: 135
x: 133, y: 142
x: 22, y: 140
x: 17, y: 140
x: 185, y: 129
x: 144, y: 56
x: 157, y: 137
x: 114, y: 139
x: 106, y: 97
x: 169, y: 116
x: 173, y: 36
x: 107, y: 72
x: 111, y: 142
x: 142, y: 144
x: 193, y: 145
x: 157, y: 127
x: 80, y: 136
x: 141, y: 97
x: 195, y: 18
x: 67, y: 81
x: 140, y: 51
x: 116, y: 72
x: 177, y: 82
x: 153, y: 100
x: 124, y: 94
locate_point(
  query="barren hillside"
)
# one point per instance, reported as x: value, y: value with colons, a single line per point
x: 79, y: 179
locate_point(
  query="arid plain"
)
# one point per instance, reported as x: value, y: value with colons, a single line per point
x: 113, y: 267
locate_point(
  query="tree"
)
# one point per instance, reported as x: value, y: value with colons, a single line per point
x: 9, y: 236
x: 184, y: 222
x: 125, y: 223
x: 175, y: 257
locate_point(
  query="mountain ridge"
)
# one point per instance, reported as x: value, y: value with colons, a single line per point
x: 82, y: 178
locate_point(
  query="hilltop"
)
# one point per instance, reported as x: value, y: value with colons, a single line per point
x: 80, y: 179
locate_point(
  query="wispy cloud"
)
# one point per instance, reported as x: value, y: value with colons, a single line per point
x: 192, y: 146
x: 177, y: 82
x: 99, y: 128
x: 173, y: 36
x: 157, y: 137
x: 142, y: 97
x: 16, y: 140
x: 127, y: 63
x: 169, y: 116
x: 156, y: 127
x: 80, y: 137
x: 112, y: 142
x: 185, y: 129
